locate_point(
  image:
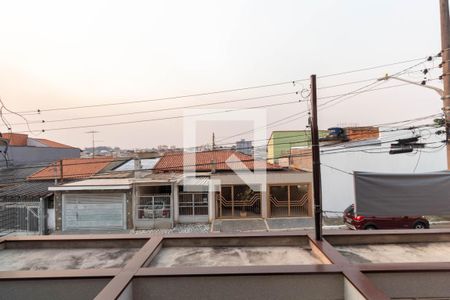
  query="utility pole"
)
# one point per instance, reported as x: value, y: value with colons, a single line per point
x: 316, y: 161
x: 93, y: 132
x: 61, y: 172
x: 445, y: 44
x: 213, y: 141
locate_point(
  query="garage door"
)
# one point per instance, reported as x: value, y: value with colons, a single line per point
x: 94, y: 211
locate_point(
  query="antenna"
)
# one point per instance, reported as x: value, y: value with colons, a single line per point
x: 93, y: 132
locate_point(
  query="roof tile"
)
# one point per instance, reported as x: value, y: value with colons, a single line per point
x: 208, y: 160
x: 72, y: 168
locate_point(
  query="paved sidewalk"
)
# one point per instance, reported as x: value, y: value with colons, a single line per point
x: 261, y: 225
x: 280, y: 224
x: 239, y: 225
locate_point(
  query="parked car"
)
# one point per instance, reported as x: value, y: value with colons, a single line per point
x: 358, y: 222
x: 159, y: 210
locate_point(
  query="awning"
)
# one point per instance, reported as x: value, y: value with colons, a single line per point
x: 195, y: 184
x: 195, y: 181
x: 94, y: 184
x: 35, y: 190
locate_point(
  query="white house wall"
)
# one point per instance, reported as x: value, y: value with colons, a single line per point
x: 338, y: 187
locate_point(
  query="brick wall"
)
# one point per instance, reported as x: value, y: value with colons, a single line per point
x: 301, y: 159
x: 362, y: 133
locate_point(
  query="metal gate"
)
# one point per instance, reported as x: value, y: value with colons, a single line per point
x: 238, y: 201
x: 193, y: 207
x: 94, y: 211
x: 24, y: 217
x: 154, y: 211
x: 289, y: 200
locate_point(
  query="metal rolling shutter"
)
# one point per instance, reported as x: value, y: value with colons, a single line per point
x: 94, y: 211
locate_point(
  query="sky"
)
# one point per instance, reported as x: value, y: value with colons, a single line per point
x: 58, y: 54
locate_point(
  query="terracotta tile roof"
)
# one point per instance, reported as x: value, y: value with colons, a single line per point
x: 53, y: 144
x: 72, y: 168
x: 16, y: 139
x: 203, y: 161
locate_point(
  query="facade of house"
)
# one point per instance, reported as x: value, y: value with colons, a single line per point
x: 23, y: 203
x: 23, y: 208
x: 67, y: 171
x: 20, y: 149
x: 167, y: 192
x: 284, y: 193
x: 93, y: 204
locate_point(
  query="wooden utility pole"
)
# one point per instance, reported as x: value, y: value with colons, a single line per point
x: 61, y: 172
x: 213, y: 141
x: 445, y: 44
x: 316, y: 161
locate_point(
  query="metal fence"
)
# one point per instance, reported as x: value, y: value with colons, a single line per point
x: 194, y: 206
x: 250, y: 206
x: 22, y: 217
x: 289, y: 201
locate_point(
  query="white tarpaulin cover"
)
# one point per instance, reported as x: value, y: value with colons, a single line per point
x: 381, y: 194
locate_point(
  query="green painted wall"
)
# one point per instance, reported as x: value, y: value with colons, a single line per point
x: 281, y: 141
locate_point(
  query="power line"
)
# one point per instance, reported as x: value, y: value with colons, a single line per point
x: 98, y: 175
x: 210, y: 104
x: 107, y: 160
x: 298, y: 115
x: 165, y: 118
x: 377, y: 67
x: 348, y: 135
x: 291, y: 82
x: 337, y: 169
x: 370, y: 79
x: 417, y: 162
x: 163, y: 109
x: 344, y: 97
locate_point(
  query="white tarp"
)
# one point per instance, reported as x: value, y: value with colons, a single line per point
x: 381, y: 194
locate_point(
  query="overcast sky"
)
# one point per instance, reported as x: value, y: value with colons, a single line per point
x: 69, y: 53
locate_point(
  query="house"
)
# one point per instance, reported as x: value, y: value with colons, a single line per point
x: 181, y: 187
x: 68, y: 171
x: 285, y: 193
x: 21, y: 202
x: 367, y: 150
x: 23, y: 207
x: 20, y: 149
x: 101, y: 200
x: 27, y: 205
x: 280, y: 144
x: 93, y: 204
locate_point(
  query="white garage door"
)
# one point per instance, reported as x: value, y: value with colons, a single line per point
x: 93, y: 211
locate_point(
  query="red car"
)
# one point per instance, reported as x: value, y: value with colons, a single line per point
x: 358, y: 222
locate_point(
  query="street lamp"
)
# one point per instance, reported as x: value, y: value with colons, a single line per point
x: 436, y: 89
